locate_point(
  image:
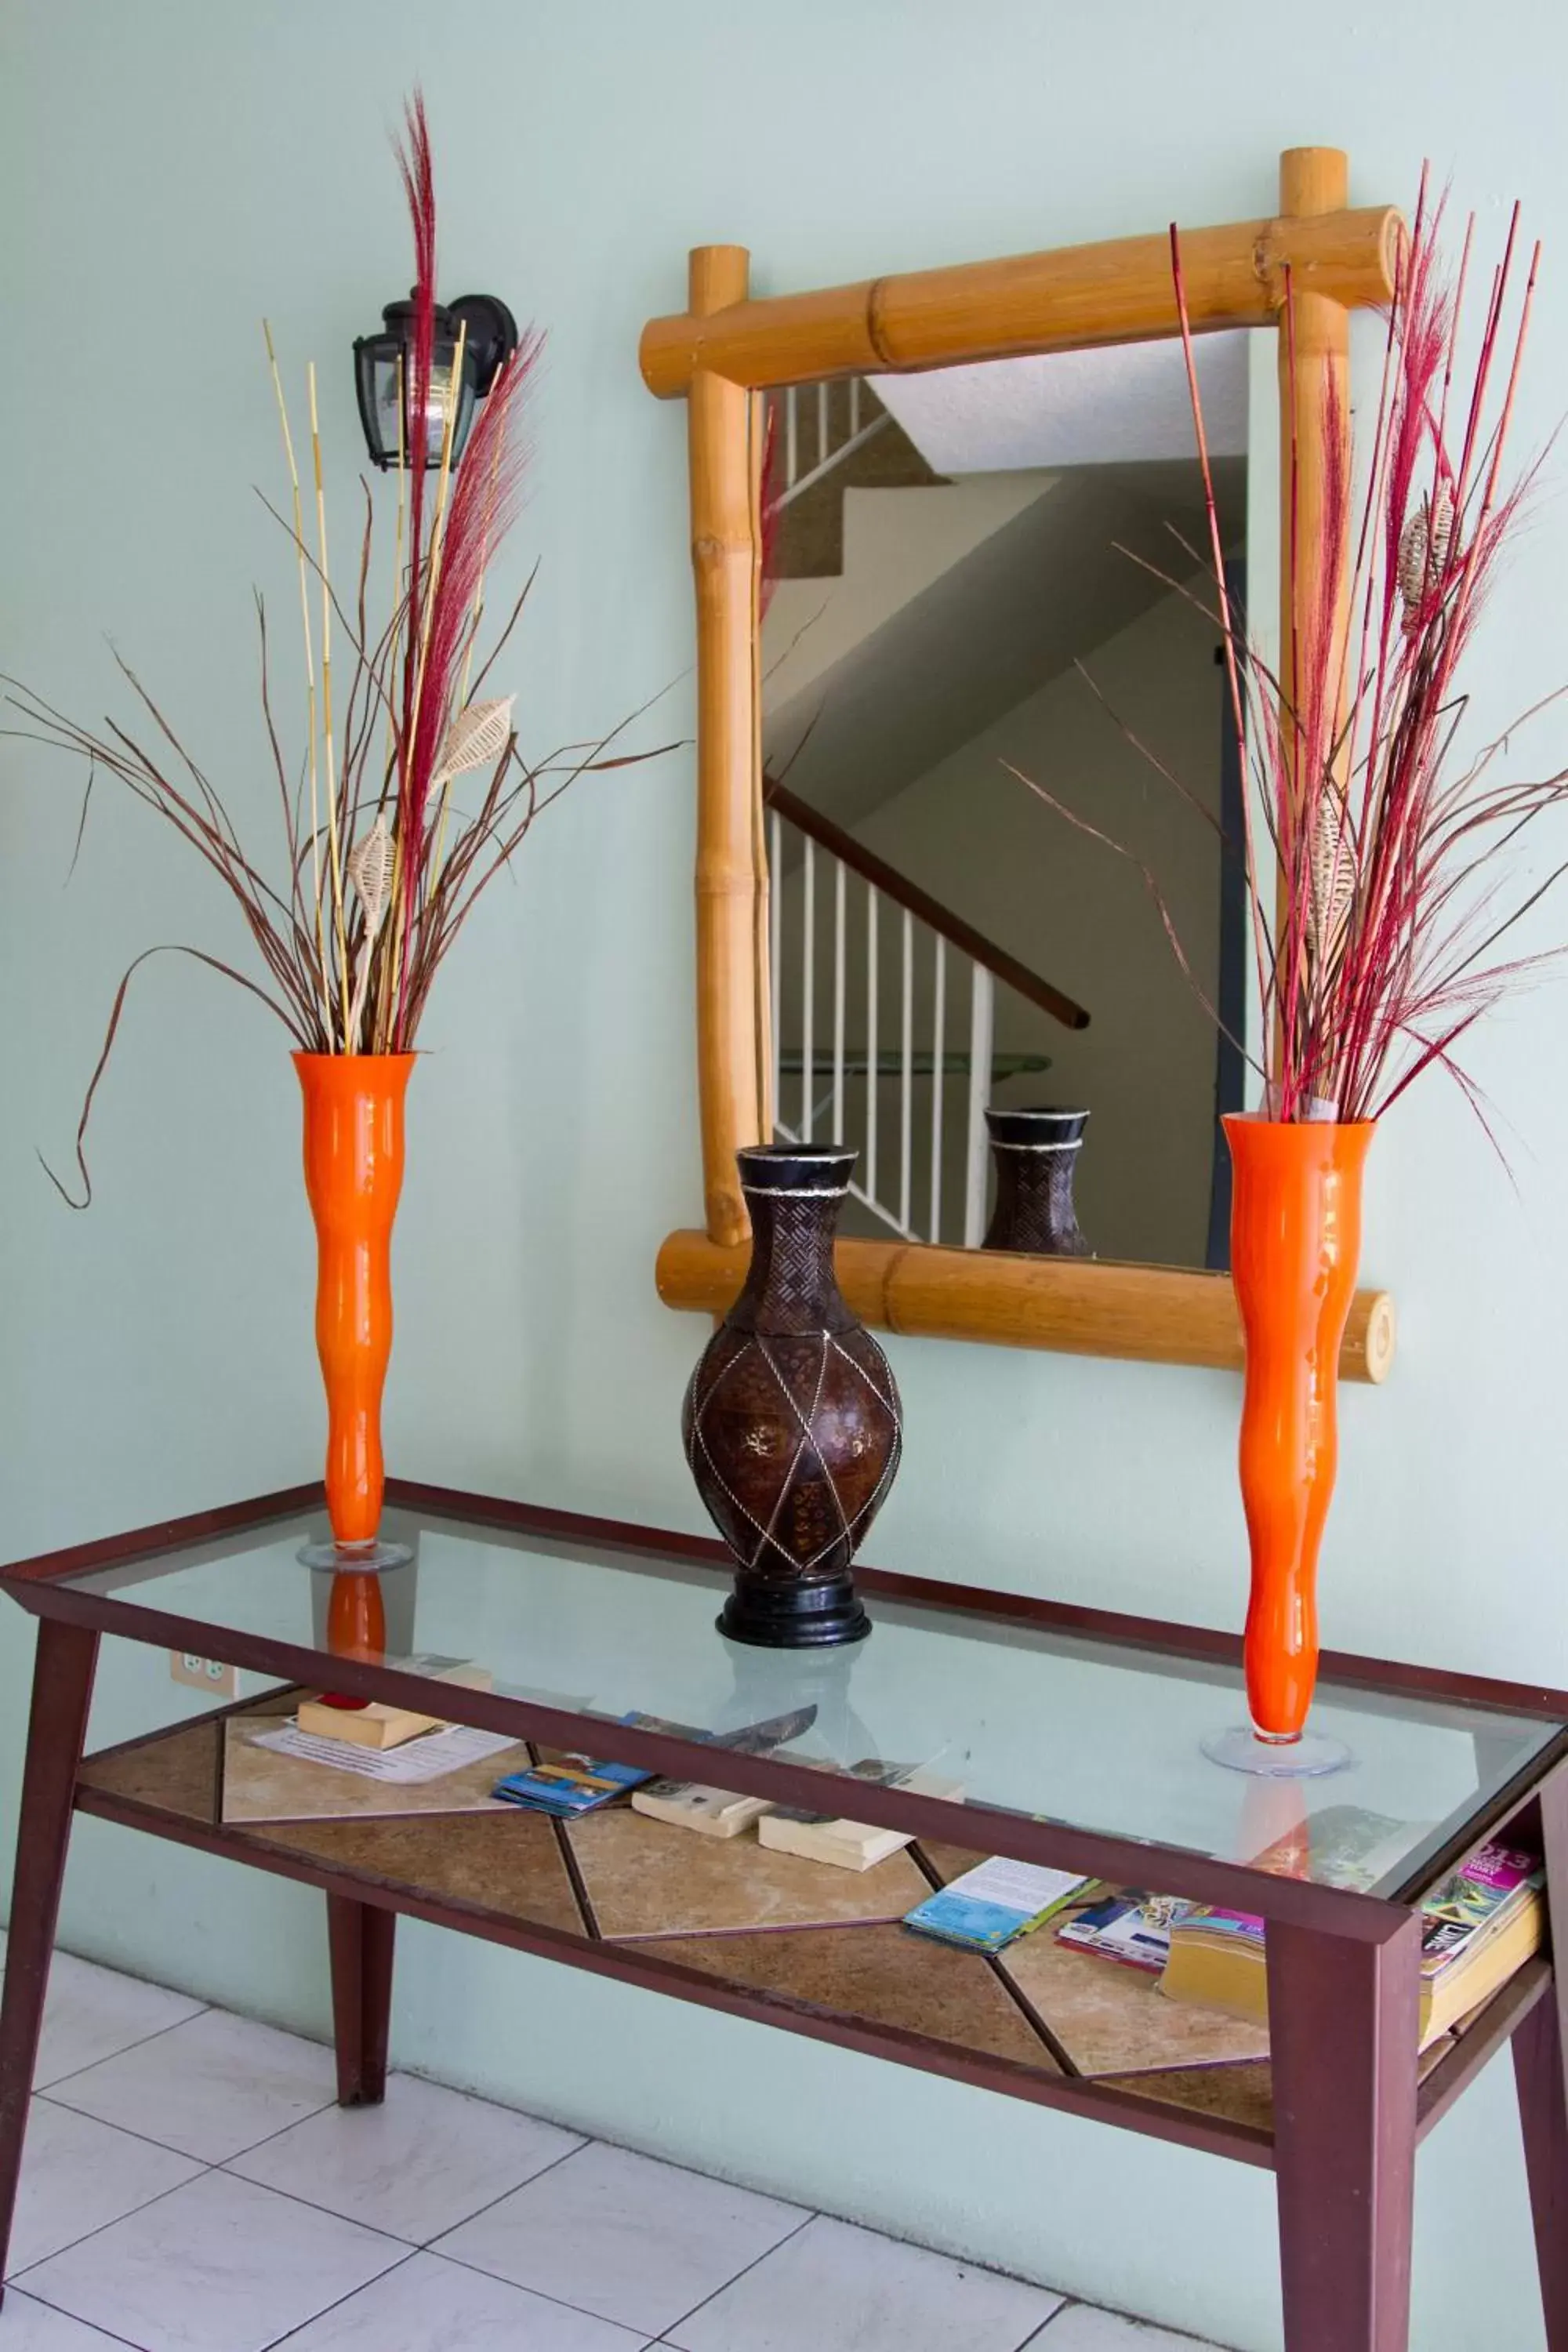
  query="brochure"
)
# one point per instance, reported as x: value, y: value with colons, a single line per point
x: 987, y: 1908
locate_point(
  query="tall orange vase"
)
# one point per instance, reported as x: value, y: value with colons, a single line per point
x: 354, y: 1174
x: 1295, y: 1246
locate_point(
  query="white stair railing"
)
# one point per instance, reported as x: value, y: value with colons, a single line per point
x: 882, y: 980
x: 817, y: 432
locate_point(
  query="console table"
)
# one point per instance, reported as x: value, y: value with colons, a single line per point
x: 1074, y: 1733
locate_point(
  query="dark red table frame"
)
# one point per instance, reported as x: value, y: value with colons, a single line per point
x: 1344, y: 1970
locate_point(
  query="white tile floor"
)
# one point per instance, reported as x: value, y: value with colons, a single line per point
x: 190, y: 2186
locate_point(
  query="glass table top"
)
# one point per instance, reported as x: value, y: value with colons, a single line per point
x: 1091, y: 1733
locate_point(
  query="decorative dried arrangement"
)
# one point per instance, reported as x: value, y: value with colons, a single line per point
x: 1383, y: 841
x: 384, y: 860
x: 1377, y: 868
x: 1375, y: 905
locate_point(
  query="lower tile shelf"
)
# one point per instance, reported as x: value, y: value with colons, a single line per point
x: 773, y: 1936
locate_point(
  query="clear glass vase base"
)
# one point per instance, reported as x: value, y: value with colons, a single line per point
x: 355, y: 1559
x: 1240, y: 1749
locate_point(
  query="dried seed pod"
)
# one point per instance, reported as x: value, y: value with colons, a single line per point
x: 1424, y: 548
x: 1332, y: 869
x: 370, y: 871
x: 475, y: 738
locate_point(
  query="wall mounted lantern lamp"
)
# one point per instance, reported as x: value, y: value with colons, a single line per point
x: 383, y: 362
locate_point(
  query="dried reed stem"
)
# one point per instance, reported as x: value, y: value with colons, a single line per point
x: 309, y: 674
x: 461, y: 703
x: 335, y: 845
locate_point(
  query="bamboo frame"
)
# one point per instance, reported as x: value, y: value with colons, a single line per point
x: 1158, y: 1314
x: 719, y: 353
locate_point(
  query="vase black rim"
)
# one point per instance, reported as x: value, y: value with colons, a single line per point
x: 1041, y: 1127
x: 796, y: 1167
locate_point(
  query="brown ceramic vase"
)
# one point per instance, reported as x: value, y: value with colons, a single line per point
x: 1036, y: 1156
x: 792, y: 1422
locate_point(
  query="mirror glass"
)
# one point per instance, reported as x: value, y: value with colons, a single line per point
x: 977, y: 570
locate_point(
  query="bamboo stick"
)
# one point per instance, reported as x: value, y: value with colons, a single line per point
x: 1152, y: 1314
x: 724, y: 565
x: 381, y: 1026
x: 1117, y: 292
x: 756, y: 424
x: 310, y: 684
x: 1314, y: 183
x: 334, y: 846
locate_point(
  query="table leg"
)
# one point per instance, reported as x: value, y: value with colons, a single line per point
x: 360, y: 1938
x: 56, y: 1728
x: 1344, y: 2026
x: 1541, y: 2080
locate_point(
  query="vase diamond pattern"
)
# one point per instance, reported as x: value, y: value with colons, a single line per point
x: 792, y: 1423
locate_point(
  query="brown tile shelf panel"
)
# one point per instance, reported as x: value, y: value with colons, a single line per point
x: 880, y: 1973
x: 645, y: 1879
x: 775, y: 1939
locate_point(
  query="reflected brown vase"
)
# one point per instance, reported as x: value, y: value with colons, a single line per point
x: 354, y: 1174
x: 792, y: 1421
x: 1295, y: 1246
x: 1036, y: 1156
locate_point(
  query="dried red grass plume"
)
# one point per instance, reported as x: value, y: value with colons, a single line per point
x: 1394, y: 884
x: 349, y: 968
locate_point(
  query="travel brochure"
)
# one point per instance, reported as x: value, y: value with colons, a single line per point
x: 985, y: 1909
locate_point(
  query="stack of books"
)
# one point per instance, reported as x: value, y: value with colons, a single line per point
x: 1130, y: 1927
x: 376, y: 1723
x: 1478, y: 1926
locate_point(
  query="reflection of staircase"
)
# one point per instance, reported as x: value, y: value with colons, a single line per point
x: 827, y: 439
x: 856, y: 987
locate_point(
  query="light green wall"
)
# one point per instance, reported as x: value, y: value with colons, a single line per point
x: 176, y: 167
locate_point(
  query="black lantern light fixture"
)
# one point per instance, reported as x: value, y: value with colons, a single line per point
x: 384, y: 366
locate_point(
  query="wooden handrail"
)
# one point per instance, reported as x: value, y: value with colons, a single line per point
x: 914, y: 900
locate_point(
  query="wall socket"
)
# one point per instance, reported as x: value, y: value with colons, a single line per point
x: 207, y: 1674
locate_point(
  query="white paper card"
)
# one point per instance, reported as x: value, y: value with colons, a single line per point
x: 1015, y: 1885
x: 429, y: 1758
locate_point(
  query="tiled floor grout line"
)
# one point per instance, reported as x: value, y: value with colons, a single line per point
x: 1068, y: 2303
x: 578, y: 2310
x: 222, y: 2163
x: 415, y: 2245
x: 209, y: 2163
x: 490, y: 2206
x: 703, y: 2305
x: 15, y: 2278
x: 40, y: 2090
x: 27, y: 2295
x: 270, y: 2188
x: 274, y: 2343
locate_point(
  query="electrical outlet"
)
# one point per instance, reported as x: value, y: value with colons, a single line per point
x: 209, y: 1675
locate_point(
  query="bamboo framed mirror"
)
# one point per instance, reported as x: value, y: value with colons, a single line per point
x: 908, y: 683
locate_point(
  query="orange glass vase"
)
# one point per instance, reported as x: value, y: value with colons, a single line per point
x: 354, y: 1174
x: 1295, y: 1246
x: 356, y: 1619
